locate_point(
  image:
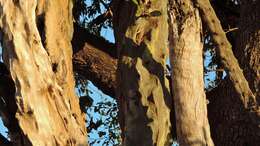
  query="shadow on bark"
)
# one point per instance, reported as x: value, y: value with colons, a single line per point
x: 230, y: 123
x: 155, y: 68
x: 8, y: 108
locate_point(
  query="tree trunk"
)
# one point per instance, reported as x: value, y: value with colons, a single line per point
x: 248, y: 44
x: 186, y: 47
x: 141, y: 36
x: 230, y: 122
x: 37, y: 50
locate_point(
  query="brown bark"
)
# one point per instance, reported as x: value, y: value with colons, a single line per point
x: 230, y: 122
x: 39, y: 56
x: 224, y: 50
x: 141, y: 35
x: 98, y: 66
x: 95, y: 59
x: 248, y: 44
x: 186, y: 48
x: 81, y: 37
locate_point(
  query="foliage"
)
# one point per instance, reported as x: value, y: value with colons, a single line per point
x: 86, y: 11
x: 106, y: 126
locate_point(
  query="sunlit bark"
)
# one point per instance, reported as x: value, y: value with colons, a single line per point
x: 37, y: 50
x: 186, y: 47
x: 141, y: 37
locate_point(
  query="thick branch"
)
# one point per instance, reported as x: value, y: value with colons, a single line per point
x: 97, y: 67
x: 82, y: 36
x: 225, y: 52
x: 95, y: 59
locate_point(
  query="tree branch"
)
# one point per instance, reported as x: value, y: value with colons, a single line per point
x: 82, y: 36
x: 224, y: 50
x: 97, y: 67
x: 4, y: 141
x: 102, y: 18
x: 95, y: 59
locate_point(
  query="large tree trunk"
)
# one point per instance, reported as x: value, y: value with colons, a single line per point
x: 248, y: 44
x: 141, y: 36
x: 230, y: 121
x: 186, y: 48
x: 37, y: 50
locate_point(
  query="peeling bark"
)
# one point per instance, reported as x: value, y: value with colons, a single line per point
x: 186, y: 47
x: 37, y: 50
x: 141, y: 36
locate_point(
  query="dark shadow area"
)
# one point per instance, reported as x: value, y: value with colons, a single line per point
x: 40, y: 21
x: 227, y: 116
x: 8, y: 109
x: 82, y: 36
x: 155, y: 68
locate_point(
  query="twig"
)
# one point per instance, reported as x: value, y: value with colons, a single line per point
x: 4, y: 141
x: 231, y: 29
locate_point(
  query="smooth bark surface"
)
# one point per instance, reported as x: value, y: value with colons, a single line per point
x: 186, y: 47
x: 141, y: 35
x: 37, y: 50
